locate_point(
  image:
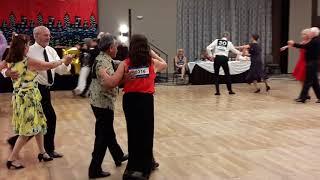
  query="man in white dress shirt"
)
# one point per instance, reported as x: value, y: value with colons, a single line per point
x: 221, y: 48
x: 42, y: 51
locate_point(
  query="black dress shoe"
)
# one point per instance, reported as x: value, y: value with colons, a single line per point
x: 155, y: 165
x: 308, y: 97
x: 258, y: 91
x: 217, y: 94
x: 231, y: 92
x: 44, y: 158
x: 124, y: 158
x: 135, y: 175
x: 10, y: 165
x: 55, y: 155
x: 101, y: 174
x: 318, y: 101
x: 300, y: 100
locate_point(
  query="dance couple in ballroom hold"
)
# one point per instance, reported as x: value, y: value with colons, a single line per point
x: 306, y: 70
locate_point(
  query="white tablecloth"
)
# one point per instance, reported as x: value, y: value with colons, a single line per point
x: 236, y: 67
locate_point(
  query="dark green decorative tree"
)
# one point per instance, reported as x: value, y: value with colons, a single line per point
x: 12, y: 20
x: 40, y: 19
x: 66, y: 20
x: 93, y: 22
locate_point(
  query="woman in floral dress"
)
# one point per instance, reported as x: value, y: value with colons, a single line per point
x: 28, y: 118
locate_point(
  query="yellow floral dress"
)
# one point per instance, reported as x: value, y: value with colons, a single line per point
x: 28, y: 118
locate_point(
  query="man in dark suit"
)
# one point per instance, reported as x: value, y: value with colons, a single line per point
x: 312, y: 57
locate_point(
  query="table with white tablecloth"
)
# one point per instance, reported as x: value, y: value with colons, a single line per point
x: 202, y: 72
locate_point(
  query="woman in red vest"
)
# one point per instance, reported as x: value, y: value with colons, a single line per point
x: 138, y: 104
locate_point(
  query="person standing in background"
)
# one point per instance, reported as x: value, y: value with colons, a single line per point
x: 221, y: 48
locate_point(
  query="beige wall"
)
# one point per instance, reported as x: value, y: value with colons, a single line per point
x: 300, y: 18
x: 158, y: 24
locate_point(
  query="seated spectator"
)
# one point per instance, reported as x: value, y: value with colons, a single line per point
x: 180, y: 63
x: 204, y: 56
x: 245, y: 55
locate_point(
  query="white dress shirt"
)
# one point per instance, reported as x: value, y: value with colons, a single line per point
x: 36, y: 52
x: 221, y: 47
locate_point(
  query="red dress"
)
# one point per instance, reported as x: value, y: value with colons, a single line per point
x: 299, y: 71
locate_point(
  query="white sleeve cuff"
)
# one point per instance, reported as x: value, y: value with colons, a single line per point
x: 3, y: 72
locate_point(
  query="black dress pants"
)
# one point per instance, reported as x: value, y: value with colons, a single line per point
x: 105, y: 138
x: 139, y: 113
x: 311, y: 80
x: 222, y: 61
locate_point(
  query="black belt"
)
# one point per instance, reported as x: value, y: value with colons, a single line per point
x: 44, y: 86
x: 222, y: 56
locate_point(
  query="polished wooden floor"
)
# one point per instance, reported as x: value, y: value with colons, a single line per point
x: 198, y: 136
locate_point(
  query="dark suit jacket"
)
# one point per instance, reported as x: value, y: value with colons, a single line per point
x: 312, y: 49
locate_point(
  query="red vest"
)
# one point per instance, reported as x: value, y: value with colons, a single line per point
x: 143, y: 81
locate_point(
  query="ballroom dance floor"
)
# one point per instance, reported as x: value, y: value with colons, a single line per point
x: 198, y: 136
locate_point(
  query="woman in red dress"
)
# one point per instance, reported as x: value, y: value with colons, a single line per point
x: 299, y: 71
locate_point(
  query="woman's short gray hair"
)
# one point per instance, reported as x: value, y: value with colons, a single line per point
x: 315, y: 31
x: 106, y: 41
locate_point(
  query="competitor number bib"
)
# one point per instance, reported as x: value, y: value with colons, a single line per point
x: 141, y: 72
x: 222, y: 45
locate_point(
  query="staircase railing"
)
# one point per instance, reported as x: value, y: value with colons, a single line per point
x: 164, y: 55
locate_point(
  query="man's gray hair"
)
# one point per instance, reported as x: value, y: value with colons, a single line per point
x: 226, y: 34
x: 38, y: 29
x: 87, y: 41
x: 106, y: 41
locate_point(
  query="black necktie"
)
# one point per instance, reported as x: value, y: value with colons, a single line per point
x: 49, y: 74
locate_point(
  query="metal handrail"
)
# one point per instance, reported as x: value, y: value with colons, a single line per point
x: 154, y: 46
x: 159, y: 51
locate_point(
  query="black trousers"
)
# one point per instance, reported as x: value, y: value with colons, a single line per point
x: 105, y: 138
x: 311, y: 80
x: 51, y: 120
x: 218, y: 62
x: 139, y: 113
